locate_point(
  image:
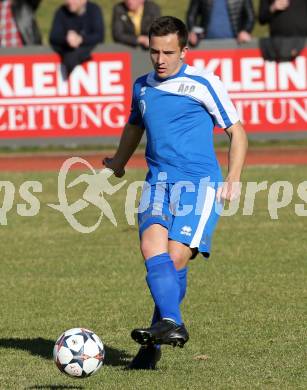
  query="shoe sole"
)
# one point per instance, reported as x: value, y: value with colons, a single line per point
x: 146, y: 338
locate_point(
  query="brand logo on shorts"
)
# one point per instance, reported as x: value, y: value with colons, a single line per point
x: 186, y: 230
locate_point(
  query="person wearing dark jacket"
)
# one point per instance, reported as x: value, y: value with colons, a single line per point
x: 220, y: 19
x: 131, y: 22
x: 285, y: 18
x: 18, y: 25
x: 287, y: 22
x: 76, y: 29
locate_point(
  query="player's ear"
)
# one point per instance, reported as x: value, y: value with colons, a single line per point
x: 184, y: 52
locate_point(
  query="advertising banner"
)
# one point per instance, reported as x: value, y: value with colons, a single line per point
x: 269, y: 96
x: 37, y: 99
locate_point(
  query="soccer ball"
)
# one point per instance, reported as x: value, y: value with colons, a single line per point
x: 78, y: 352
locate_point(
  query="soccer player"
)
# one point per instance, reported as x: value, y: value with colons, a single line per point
x: 178, y: 106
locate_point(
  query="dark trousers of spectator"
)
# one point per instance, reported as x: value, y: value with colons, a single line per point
x: 72, y: 58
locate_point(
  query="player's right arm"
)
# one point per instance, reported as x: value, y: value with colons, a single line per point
x: 130, y: 138
x: 129, y: 141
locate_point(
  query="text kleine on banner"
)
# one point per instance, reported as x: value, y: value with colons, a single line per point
x: 37, y: 99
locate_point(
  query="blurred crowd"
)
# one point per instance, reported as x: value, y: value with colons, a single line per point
x: 78, y: 25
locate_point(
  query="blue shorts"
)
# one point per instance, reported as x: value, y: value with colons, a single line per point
x: 187, y: 210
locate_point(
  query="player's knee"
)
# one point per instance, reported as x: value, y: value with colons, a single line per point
x: 154, y: 241
x: 179, y: 259
x: 150, y: 248
x: 145, y: 248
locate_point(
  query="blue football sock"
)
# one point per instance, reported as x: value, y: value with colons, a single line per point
x: 182, y: 276
x: 156, y: 316
x: 164, y: 285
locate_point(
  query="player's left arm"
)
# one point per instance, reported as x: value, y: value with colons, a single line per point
x: 221, y: 108
x: 236, y: 157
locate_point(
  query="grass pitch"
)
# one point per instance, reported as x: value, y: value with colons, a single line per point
x: 245, y: 308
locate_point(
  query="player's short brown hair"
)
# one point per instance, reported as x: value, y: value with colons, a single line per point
x: 170, y: 25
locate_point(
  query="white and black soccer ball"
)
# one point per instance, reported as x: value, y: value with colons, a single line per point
x: 78, y: 352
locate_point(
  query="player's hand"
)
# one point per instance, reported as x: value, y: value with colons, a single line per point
x: 109, y: 163
x: 230, y: 190
x: 279, y: 5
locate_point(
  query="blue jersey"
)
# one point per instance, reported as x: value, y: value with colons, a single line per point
x: 179, y: 114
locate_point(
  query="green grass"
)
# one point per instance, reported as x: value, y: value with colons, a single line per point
x: 245, y: 308
x: 219, y: 144
x: 171, y: 7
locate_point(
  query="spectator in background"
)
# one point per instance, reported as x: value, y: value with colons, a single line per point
x: 288, y: 28
x: 76, y: 29
x: 131, y: 22
x: 17, y: 23
x: 220, y: 19
x: 285, y: 18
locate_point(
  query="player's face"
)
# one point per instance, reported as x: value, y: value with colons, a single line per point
x: 166, y: 54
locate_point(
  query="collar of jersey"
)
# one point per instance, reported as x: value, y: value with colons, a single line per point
x: 180, y: 71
